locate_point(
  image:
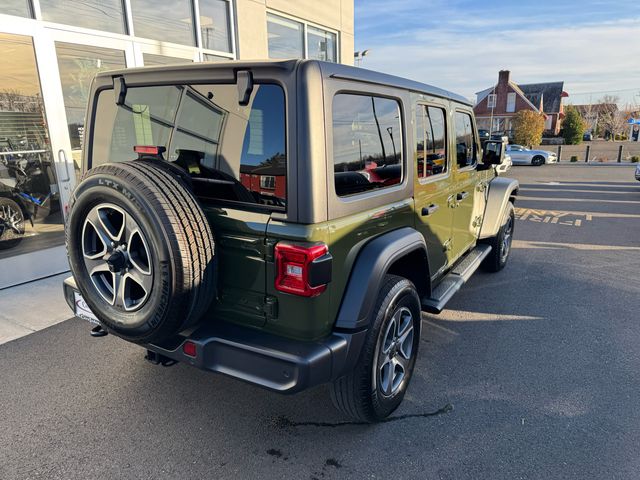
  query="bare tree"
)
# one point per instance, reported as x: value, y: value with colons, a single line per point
x: 611, y: 119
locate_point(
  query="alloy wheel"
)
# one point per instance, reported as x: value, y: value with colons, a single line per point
x: 117, y: 257
x: 507, y: 237
x: 395, y: 352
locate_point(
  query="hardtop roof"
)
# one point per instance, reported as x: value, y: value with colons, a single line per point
x: 328, y: 69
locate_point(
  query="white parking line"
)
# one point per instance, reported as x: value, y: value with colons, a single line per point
x: 572, y: 246
x: 593, y: 200
x: 574, y: 190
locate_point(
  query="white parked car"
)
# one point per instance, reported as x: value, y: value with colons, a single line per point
x: 523, y: 156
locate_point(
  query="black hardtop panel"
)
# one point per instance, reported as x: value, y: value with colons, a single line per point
x: 347, y: 72
x: 332, y: 70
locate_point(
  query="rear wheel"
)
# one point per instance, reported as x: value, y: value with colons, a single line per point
x: 376, y: 386
x: 11, y: 223
x: 501, y: 243
x: 537, y: 161
x: 141, y: 250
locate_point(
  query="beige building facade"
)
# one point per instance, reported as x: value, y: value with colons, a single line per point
x: 51, y: 49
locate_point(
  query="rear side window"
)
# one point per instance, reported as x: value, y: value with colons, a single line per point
x: 367, y: 143
x: 233, y: 153
x: 465, y: 141
x: 431, y: 141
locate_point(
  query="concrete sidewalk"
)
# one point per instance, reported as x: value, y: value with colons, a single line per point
x: 32, y: 306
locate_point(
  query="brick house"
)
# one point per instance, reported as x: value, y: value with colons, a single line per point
x: 500, y: 103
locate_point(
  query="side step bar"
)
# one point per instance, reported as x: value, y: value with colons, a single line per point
x: 457, y: 277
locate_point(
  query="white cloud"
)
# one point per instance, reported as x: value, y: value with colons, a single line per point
x: 465, y: 54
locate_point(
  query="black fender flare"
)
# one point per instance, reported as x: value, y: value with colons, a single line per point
x: 370, y: 267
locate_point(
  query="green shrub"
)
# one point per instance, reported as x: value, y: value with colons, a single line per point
x: 573, y: 126
x: 635, y: 159
x: 574, y: 158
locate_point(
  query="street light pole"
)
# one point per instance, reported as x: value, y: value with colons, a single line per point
x: 358, y: 56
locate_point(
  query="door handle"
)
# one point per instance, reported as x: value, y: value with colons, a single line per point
x: 62, y: 158
x: 430, y: 210
x: 462, y: 195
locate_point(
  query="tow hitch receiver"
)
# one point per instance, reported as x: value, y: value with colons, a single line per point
x: 158, y: 359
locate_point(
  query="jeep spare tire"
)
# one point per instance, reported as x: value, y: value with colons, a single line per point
x: 140, y: 249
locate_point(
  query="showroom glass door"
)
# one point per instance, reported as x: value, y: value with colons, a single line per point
x: 31, y: 213
x: 79, y: 57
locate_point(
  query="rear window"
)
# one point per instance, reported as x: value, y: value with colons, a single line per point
x: 367, y: 143
x: 233, y: 153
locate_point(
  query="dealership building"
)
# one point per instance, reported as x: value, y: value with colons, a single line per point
x: 51, y: 49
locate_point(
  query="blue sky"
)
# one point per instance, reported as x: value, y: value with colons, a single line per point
x: 593, y: 45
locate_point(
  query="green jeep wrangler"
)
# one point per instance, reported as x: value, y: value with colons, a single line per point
x: 284, y: 223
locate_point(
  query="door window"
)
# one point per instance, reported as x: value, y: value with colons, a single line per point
x: 28, y: 185
x: 465, y: 140
x: 367, y: 143
x: 431, y: 141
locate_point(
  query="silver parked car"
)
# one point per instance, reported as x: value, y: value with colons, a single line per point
x: 638, y: 172
x: 523, y: 156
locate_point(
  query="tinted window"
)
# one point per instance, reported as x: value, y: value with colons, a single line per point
x: 431, y: 143
x: 285, y: 37
x: 232, y: 153
x: 367, y: 143
x: 96, y: 14
x: 465, y: 142
x: 164, y: 20
x: 214, y: 25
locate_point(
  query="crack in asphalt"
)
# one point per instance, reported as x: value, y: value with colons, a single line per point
x: 284, y: 422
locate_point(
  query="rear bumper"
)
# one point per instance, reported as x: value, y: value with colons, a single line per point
x: 270, y: 361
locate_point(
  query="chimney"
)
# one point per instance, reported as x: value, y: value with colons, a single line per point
x: 503, y: 76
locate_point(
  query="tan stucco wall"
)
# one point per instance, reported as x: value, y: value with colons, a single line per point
x: 251, y: 18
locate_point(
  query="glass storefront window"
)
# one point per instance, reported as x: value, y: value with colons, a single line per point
x: 215, y: 58
x: 153, y: 59
x: 164, y: 20
x: 104, y: 15
x: 78, y: 65
x: 30, y: 216
x: 286, y: 37
x: 214, y: 25
x: 321, y: 45
x: 21, y: 8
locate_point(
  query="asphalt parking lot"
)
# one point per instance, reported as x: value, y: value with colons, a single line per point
x: 531, y: 373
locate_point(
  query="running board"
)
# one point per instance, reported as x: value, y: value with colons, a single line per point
x: 457, y: 277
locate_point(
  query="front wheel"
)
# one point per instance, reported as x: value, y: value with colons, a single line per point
x: 377, y: 384
x: 501, y: 243
x: 11, y: 223
x: 537, y: 161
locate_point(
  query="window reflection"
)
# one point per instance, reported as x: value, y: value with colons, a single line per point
x: 214, y: 25
x: 285, y: 37
x: 367, y: 143
x: 30, y: 216
x: 164, y: 20
x: 430, y: 141
x: 321, y: 44
x: 465, y: 143
x: 153, y: 59
x: 21, y: 8
x: 104, y: 15
x: 78, y: 65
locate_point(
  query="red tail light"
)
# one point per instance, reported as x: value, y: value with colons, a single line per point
x: 189, y: 348
x: 302, y: 270
x: 145, y: 149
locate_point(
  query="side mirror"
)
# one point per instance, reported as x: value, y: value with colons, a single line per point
x: 493, y: 152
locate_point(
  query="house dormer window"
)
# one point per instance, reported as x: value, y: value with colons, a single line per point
x: 491, y: 100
